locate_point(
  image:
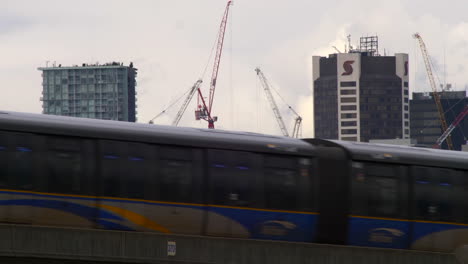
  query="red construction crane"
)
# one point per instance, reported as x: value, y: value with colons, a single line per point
x: 204, y: 110
x: 452, y: 126
x: 436, y: 95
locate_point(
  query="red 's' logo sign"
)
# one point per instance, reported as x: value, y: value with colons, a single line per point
x: 348, y: 68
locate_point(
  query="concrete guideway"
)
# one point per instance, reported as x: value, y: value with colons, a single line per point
x: 26, y: 244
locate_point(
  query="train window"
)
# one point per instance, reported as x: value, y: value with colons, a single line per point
x: 23, y: 160
x: 434, y: 193
x: 232, y: 177
x: 113, y: 162
x: 138, y: 170
x: 64, y: 165
x: 3, y: 160
x: 377, y: 190
x: 281, y: 183
x: 460, y: 196
x: 175, y: 181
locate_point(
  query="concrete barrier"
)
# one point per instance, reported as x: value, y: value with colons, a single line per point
x: 26, y: 244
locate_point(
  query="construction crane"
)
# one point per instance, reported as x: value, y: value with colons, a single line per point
x: 297, y: 125
x: 188, y: 98
x: 192, y: 91
x: 274, y: 106
x: 452, y: 126
x: 436, y: 95
x: 204, y: 110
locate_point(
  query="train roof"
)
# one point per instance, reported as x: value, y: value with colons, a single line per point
x: 146, y: 133
x: 399, y: 154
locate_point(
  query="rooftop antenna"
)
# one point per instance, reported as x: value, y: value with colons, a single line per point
x: 349, y: 42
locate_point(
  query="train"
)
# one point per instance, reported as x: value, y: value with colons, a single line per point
x: 87, y: 173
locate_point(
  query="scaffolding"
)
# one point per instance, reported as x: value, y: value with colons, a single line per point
x: 370, y: 45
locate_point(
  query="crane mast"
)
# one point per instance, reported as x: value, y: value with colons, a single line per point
x: 436, y: 95
x: 204, y: 110
x: 270, y: 98
x: 192, y: 91
x: 297, y: 125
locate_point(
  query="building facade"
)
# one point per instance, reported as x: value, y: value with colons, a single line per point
x: 425, y: 121
x: 97, y: 91
x: 359, y: 96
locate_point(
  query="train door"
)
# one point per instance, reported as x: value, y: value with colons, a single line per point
x: 234, y: 188
x: 20, y: 169
x: 333, y: 171
x: 137, y: 168
x: 179, y: 190
x: 112, y: 158
x: 379, y: 205
x: 68, y: 170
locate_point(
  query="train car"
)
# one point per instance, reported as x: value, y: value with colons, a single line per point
x: 392, y: 196
x: 76, y: 172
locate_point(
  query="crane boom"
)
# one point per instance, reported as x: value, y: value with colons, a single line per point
x: 181, y: 112
x: 219, y: 50
x: 266, y: 87
x: 452, y: 126
x: 436, y: 95
x: 204, y: 111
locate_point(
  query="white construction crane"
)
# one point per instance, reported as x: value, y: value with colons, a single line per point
x: 279, y: 119
x: 193, y: 90
x: 190, y: 93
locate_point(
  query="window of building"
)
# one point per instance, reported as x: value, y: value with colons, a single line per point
x: 349, y: 123
x: 348, y: 99
x: 347, y: 84
x: 347, y: 92
x: 348, y: 107
x: 348, y: 131
x: 348, y: 115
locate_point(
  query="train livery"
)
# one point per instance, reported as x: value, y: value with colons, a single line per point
x: 74, y: 172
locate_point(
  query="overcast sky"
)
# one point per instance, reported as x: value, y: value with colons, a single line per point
x: 170, y: 43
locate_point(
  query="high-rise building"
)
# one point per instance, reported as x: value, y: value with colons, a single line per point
x: 100, y: 91
x: 425, y: 121
x: 359, y: 96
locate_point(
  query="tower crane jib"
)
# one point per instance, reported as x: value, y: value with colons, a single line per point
x: 272, y: 102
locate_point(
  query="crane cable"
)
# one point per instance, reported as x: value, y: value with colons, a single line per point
x: 170, y: 105
x: 284, y: 101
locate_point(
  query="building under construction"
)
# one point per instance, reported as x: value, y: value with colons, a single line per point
x: 360, y: 95
x: 425, y: 122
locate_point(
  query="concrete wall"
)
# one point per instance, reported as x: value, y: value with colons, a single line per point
x: 25, y: 244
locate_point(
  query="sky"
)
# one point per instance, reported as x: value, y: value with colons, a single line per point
x: 170, y: 43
